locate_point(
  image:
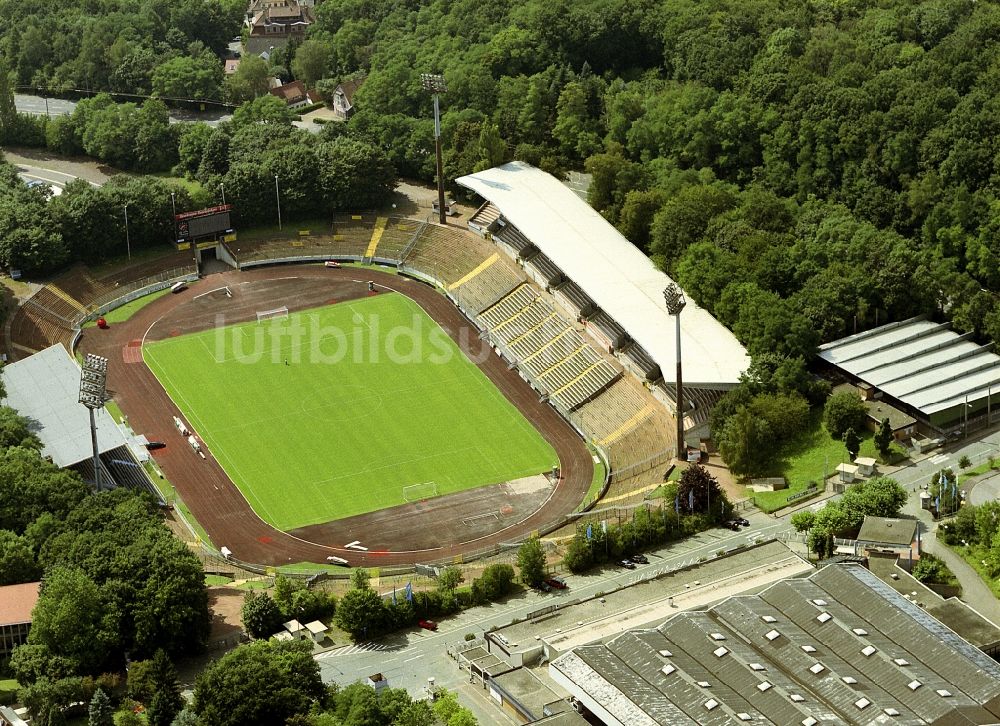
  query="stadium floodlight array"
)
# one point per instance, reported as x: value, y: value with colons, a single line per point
x: 93, y: 391
x: 674, y: 298
x: 434, y: 84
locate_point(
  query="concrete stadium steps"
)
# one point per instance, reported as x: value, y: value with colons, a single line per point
x: 82, y: 286
x: 57, y: 304
x: 447, y: 254
x: 352, y: 235
x: 619, y: 407
x: 698, y: 403
x: 396, y: 238
x: 486, y: 215
x: 31, y: 331
x: 508, y: 306
x: 484, y: 289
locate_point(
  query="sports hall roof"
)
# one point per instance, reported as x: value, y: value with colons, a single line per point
x: 613, y: 272
x: 924, y: 364
x: 44, y: 388
x: 838, y: 647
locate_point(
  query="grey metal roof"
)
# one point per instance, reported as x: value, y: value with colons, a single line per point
x: 888, y: 531
x: 839, y: 646
x: 44, y: 388
x: 919, y: 362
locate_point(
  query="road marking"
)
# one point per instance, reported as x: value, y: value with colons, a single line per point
x: 939, y: 458
x: 414, y: 658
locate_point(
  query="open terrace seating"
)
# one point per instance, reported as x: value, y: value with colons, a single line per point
x: 31, y: 331
x: 57, y: 304
x: 485, y: 288
x: 398, y: 235
x: 447, y: 254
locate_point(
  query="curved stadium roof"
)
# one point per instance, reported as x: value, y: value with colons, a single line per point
x: 616, y: 275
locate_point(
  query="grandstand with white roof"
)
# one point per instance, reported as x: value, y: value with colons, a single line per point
x: 603, y: 281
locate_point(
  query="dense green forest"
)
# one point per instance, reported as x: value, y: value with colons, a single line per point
x: 804, y: 168
x: 168, y: 47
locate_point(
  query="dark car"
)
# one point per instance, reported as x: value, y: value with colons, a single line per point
x: 627, y: 564
x: 732, y: 524
x: 640, y: 559
x: 154, y: 445
x: 742, y: 522
x: 544, y: 586
x: 556, y: 583
x: 428, y: 624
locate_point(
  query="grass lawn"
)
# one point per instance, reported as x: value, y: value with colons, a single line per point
x: 319, y: 225
x: 217, y: 580
x: 126, y: 311
x: 811, y: 457
x: 977, y: 470
x: 331, y: 412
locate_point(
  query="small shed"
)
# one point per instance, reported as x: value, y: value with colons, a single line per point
x: 295, y: 629
x: 283, y: 636
x: 848, y: 472
x: 317, y: 631
x: 378, y: 681
x: 866, y: 465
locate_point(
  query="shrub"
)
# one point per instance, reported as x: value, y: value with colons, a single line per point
x: 844, y: 411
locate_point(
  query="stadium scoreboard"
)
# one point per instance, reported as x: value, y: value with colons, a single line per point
x: 208, y: 222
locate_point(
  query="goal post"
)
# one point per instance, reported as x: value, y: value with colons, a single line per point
x: 419, y: 492
x: 281, y: 312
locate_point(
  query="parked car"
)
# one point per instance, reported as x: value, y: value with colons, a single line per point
x: 544, y: 586
x: 556, y: 583
x: 742, y: 522
x: 154, y: 445
x: 627, y: 564
x: 427, y: 624
x: 640, y: 559
x: 732, y: 524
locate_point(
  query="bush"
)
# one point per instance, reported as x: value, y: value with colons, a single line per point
x: 930, y: 569
x: 964, y: 463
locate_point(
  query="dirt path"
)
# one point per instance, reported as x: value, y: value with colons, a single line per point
x: 434, y: 530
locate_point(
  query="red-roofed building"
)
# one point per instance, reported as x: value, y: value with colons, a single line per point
x: 16, y: 604
x: 294, y: 94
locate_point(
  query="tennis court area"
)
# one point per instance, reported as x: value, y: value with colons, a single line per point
x: 345, y: 409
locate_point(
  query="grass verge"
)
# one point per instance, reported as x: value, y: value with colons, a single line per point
x: 126, y: 311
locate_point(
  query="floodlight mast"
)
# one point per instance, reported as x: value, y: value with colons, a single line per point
x: 434, y: 84
x: 675, y: 300
x: 93, y: 391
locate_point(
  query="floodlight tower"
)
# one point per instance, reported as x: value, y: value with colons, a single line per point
x: 93, y: 390
x: 674, y: 298
x: 434, y: 83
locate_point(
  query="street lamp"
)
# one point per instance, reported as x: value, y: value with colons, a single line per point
x: 965, y: 411
x: 93, y: 389
x: 434, y: 84
x: 128, y: 243
x: 173, y: 202
x: 674, y: 298
x: 222, y: 187
x: 277, y: 198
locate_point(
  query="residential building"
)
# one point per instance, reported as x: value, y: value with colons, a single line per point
x: 16, y: 604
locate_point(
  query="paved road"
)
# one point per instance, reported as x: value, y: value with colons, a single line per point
x: 407, y: 659
x: 39, y: 106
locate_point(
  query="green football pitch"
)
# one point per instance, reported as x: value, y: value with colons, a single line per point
x: 333, y: 412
